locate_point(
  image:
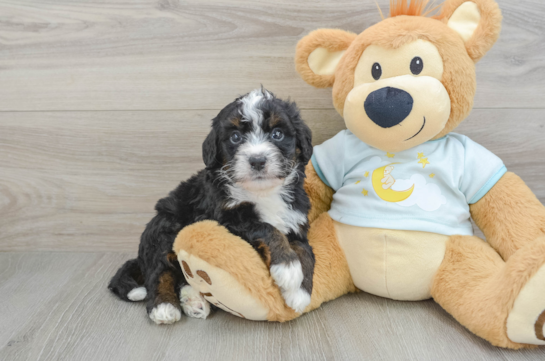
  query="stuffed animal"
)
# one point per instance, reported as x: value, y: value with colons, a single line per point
x: 392, y: 195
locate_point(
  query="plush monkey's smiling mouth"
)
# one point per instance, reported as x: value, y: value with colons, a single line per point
x: 423, y: 125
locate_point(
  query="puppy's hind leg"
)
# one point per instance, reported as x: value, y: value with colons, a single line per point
x: 128, y: 282
x: 164, y: 305
x: 193, y: 303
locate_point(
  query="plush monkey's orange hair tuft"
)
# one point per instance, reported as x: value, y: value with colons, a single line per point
x: 412, y: 8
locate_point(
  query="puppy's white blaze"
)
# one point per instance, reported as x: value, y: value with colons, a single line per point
x: 289, y: 278
x: 137, y: 294
x: 250, y: 107
x: 165, y: 313
x: 193, y: 304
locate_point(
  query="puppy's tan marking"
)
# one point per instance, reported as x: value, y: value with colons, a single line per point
x: 236, y: 122
x: 166, y: 289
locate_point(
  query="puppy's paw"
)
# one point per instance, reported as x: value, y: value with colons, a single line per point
x: 193, y: 304
x: 298, y: 299
x: 289, y: 276
x: 137, y: 294
x: 165, y: 313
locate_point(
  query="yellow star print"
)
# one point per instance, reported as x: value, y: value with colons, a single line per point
x: 365, y: 192
x: 358, y: 182
x: 432, y: 175
x: 423, y: 161
x: 366, y: 174
x: 420, y: 155
x: 390, y: 155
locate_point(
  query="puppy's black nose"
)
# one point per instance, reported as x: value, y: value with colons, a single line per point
x: 388, y: 106
x: 258, y: 163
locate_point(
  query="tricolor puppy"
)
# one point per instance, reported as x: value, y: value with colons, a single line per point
x: 255, y: 158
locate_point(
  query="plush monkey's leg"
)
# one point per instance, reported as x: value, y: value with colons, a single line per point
x: 331, y: 273
x: 229, y: 273
x: 502, y: 302
x: 509, y: 215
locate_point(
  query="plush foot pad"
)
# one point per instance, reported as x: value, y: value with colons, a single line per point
x: 289, y: 276
x: 137, y: 294
x: 193, y: 303
x: 526, y: 322
x: 165, y: 313
x: 220, y: 288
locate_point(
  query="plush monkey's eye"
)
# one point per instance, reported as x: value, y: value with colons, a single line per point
x: 236, y: 137
x: 376, y: 71
x: 417, y: 65
x: 277, y: 134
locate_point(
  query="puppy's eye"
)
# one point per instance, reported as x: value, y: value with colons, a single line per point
x: 417, y: 65
x: 376, y: 71
x: 277, y: 134
x: 236, y: 137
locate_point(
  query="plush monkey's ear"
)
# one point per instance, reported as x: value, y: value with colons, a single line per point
x: 318, y: 54
x: 478, y: 22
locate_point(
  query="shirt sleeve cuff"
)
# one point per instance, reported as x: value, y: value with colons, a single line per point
x: 319, y: 170
x: 488, y: 185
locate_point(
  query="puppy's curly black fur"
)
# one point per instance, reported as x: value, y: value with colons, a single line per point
x: 258, y: 145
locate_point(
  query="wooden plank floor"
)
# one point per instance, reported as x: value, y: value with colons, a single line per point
x: 103, y: 108
x: 55, y: 306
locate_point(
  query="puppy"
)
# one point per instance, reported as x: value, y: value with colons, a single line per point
x: 255, y: 158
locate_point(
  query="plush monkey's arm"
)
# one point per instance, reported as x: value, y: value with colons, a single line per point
x: 509, y: 215
x: 320, y: 195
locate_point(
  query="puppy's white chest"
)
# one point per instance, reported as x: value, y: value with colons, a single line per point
x: 272, y: 209
x: 276, y: 212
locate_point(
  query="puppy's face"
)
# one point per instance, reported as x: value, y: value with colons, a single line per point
x: 258, y: 141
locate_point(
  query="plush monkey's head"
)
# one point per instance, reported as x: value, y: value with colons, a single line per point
x: 408, y: 79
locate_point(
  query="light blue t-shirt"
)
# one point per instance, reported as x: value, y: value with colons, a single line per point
x: 426, y: 188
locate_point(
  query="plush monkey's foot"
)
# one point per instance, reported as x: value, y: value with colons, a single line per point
x: 526, y: 321
x: 227, y: 272
x: 219, y: 288
x: 193, y: 303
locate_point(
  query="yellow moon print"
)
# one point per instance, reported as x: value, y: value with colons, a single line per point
x: 389, y: 194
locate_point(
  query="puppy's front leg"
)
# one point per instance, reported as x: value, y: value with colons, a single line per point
x: 274, y: 248
x: 287, y: 271
x: 284, y: 263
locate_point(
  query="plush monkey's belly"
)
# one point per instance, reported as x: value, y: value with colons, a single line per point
x: 390, y: 263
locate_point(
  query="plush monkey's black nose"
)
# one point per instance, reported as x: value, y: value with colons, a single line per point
x: 258, y: 163
x: 388, y: 106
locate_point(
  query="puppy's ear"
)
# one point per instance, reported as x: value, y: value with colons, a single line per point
x: 303, y: 135
x: 210, y: 150
x: 304, y: 142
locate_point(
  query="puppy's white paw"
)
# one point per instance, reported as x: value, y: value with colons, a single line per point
x: 193, y: 304
x: 165, y: 313
x: 137, y: 294
x: 298, y: 299
x: 289, y: 276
